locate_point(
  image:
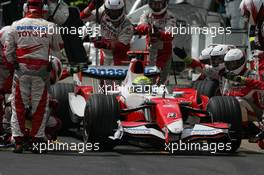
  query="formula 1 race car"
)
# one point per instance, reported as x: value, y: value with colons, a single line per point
x: 121, y: 115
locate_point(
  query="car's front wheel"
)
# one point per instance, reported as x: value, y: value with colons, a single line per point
x: 208, y: 88
x: 227, y: 109
x: 100, y: 120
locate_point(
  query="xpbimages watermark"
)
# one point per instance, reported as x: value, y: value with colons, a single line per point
x: 192, y: 146
x: 80, y: 31
x: 60, y: 146
x: 137, y: 89
x: 43, y: 31
x: 192, y: 30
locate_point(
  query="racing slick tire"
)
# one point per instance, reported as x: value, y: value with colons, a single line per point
x: 208, y: 88
x: 60, y: 92
x: 227, y: 109
x: 100, y: 120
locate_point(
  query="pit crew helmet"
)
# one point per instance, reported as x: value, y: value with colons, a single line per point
x: 205, y: 56
x: 218, y: 54
x: 235, y: 61
x: 56, y: 70
x: 158, y: 7
x: 114, y: 9
x: 252, y: 10
x: 36, y: 6
x: 141, y: 84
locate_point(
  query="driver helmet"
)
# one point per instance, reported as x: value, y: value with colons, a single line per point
x: 218, y: 55
x: 141, y: 84
x: 235, y: 61
x: 56, y: 70
x: 115, y: 9
x: 158, y: 7
x: 251, y: 10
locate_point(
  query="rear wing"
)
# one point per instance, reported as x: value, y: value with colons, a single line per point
x: 116, y: 72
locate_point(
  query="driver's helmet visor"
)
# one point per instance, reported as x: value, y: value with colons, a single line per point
x: 114, y: 14
x: 216, y: 60
x: 156, y: 6
x: 205, y: 61
x: 233, y: 65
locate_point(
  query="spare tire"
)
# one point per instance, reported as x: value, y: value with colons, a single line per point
x: 60, y: 92
x: 227, y: 109
x: 208, y: 88
x: 100, y: 120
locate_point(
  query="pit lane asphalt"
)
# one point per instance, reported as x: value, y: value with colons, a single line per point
x: 130, y: 160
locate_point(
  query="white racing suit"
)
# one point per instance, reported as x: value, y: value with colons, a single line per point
x: 27, y: 48
x: 117, y: 36
x: 160, y: 48
x: 250, y: 95
x: 5, y: 76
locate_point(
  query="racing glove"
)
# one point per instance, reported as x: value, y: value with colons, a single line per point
x: 142, y: 29
x: 76, y: 68
x: 233, y: 77
x: 181, y: 53
x: 102, y: 44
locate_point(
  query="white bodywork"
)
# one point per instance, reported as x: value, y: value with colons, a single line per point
x: 77, y: 104
x: 202, y: 130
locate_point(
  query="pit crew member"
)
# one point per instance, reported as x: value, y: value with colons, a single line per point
x: 93, y: 3
x: 116, y: 32
x: 253, y: 13
x: 244, y: 84
x: 31, y: 44
x: 154, y: 23
x: 5, y: 76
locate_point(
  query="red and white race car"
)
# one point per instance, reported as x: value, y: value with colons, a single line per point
x: 119, y: 115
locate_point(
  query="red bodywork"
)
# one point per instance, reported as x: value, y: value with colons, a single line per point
x: 164, y: 111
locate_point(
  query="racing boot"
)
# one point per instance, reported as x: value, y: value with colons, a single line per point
x: 19, y: 147
x: 2, y: 140
x: 27, y: 145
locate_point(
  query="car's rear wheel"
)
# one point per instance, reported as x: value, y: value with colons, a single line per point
x: 227, y: 109
x: 100, y: 120
x: 208, y: 88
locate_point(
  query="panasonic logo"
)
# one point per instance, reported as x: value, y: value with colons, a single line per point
x: 112, y: 71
